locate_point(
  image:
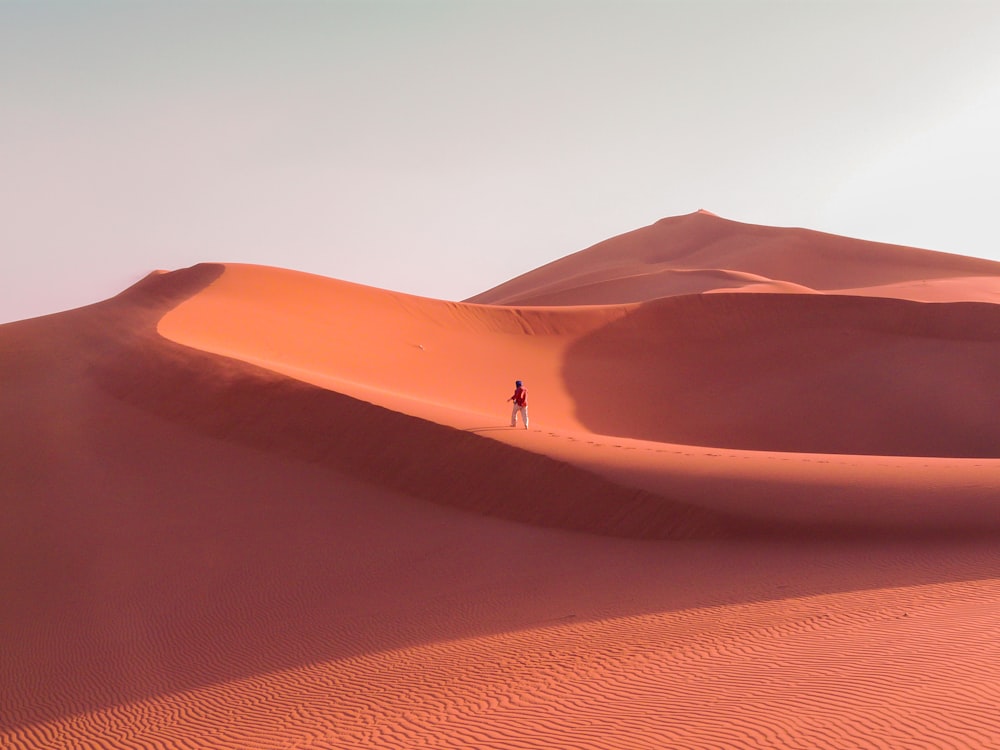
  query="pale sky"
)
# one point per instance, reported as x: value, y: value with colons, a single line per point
x: 441, y: 147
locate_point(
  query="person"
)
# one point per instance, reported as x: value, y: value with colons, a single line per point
x: 520, y: 399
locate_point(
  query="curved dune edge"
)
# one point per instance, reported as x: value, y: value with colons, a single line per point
x: 411, y: 370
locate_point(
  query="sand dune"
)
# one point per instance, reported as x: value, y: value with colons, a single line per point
x: 247, y: 507
x: 702, y: 242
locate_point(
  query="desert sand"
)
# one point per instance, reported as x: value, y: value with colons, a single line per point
x: 758, y: 505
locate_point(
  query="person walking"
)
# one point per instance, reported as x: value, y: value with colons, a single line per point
x: 520, y: 399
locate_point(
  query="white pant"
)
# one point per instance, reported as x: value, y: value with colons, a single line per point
x: 524, y: 415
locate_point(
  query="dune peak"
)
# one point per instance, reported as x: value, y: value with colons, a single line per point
x: 641, y: 265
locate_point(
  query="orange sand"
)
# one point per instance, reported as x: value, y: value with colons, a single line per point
x: 758, y: 505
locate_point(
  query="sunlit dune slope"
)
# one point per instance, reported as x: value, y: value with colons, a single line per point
x: 778, y: 372
x: 731, y: 404
x: 701, y: 252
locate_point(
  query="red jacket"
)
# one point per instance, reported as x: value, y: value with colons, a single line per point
x: 520, y: 396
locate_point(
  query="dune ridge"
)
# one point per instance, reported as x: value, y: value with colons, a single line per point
x: 729, y: 361
x: 702, y: 241
x: 246, y: 507
x: 600, y: 370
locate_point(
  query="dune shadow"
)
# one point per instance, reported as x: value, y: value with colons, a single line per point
x: 796, y: 373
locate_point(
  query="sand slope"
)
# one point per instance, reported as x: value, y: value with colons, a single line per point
x: 758, y: 505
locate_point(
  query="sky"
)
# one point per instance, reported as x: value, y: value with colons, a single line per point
x: 442, y: 147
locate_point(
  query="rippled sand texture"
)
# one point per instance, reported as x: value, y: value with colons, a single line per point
x: 758, y: 505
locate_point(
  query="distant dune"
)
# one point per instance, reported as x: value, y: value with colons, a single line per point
x: 758, y: 505
x: 659, y: 261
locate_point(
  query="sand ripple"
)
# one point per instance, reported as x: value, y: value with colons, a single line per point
x: 901, y: 668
